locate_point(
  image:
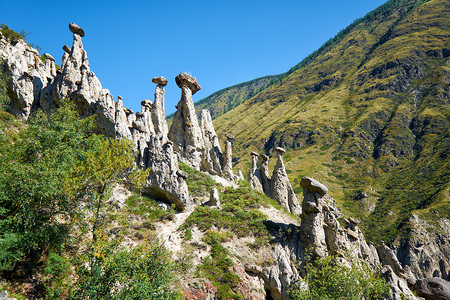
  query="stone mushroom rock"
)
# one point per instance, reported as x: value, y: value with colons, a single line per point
x: 184, y: 79
x: 75, y: 29
x: 255, y: 174
x: 227, y: 169
x: 66, y: 49
x: 157, y: 109
x: 213, y: 158
x: 160, y: 80
x: 281, y: 188
x: 185, y: 131
x: 48, y: 56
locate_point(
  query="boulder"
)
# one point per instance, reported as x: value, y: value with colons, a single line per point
x: 66, y: 49
x: 186, y: 80
x: 160, y: 80
x: 434, y: 288
x: 75, y: 29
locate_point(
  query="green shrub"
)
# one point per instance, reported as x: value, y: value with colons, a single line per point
x: 328, y: 279
x: 199, y: 183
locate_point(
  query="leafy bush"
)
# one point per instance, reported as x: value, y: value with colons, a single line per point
x: 144, y: 272
x: 327, y: 278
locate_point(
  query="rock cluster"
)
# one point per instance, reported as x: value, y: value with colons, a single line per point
x: 36, y: 84
x: 278, y: 186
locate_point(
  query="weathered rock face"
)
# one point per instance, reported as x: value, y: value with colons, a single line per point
x: 30, y: 79
x: 281, y: 189
x: 433, y: 288
x: 165, y: 180
x: 212, y: 158
x: 255, y: 174
x: 185, y: 132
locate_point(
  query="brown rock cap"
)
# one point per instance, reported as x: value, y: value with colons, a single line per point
x: 48, y: 56
x: 184, y: 79
x: 254, y: 153
x: 76, y: 29
x: 229, y: 136
x: 264, y: 157
x: 66, y: 48
x: 279, y: 149
x: 160, y: 80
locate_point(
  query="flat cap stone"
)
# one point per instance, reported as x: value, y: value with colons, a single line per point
x: 184, y: 79
x: 279, y: 149
x: 264, y: 157
x: 75, y: 29
x: 160, y: 80
x: 182, y: 174
x: 48, y: 56
x: 146, y: 103
x: 66, y: 48
x: 313, y: 186
x: 254, y: 153
x: 119, y: 97
x: 229, y: 136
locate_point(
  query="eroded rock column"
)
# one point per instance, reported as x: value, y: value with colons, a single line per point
x: 265, y: 178
x: 157, y: 110
x: 281, y: 188
x: 185, y: 132
x: 227, y: 169
x: 213, y: 157
x: 255, y: 174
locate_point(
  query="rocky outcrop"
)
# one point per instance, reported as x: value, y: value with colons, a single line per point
x: 281, y: 189
x: 185, y: 131
x: 433, y: 288
x: 255, y: 174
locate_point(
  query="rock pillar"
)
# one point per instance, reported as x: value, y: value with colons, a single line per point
x: 227, y: 169
x: 255, y: 174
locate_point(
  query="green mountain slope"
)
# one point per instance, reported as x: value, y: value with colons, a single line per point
x: 367, y: 114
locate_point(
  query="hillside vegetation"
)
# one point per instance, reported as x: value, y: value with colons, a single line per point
x: 367, y: 114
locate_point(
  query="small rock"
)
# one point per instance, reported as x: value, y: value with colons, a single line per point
x: 184, y: 79
x: 75, y: 29
x: 66, y: 49
x: 279, y: 149
x: 146, y: 103
x: 229, y: 136
x: 313, y: 185
x: 119, y: 97
x: 182, y: 174
x: 48, y: 56
x: 214, y: 199
x: 254, y: 153
x: 354, y: 221
x: 160, y: 80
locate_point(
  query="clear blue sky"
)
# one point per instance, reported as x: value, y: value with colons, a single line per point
x: 221, y: 43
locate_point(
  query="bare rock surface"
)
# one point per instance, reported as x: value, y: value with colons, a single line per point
x: 255, y: 174
x: 213, y: 157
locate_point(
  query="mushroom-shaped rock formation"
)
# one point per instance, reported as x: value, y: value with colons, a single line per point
x: 157, y: 110
x: 185, y: 80
x: 75, y: 29
x: 185, y: 131
x: 213, y: 157
x: 281, y: 188
x: 255, y: 174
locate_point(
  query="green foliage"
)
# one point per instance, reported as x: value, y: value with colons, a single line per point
x: 327, y: 278
x: 4, y: 96
x: 199, y: 183
x: 11, y: 34
x: 113, y: 272
x: 217, y: 267
x: 147, y: 208
x: 239, y: 213
x: 57, y: 273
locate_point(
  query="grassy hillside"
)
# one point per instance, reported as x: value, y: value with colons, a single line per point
x: 367, y: 114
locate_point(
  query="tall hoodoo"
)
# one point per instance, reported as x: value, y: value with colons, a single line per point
x: 185, y: 131
x: 157, y: 109
x: 227, y: 169
x: 213, y: 158
x: 281, y: 189
x: 255, y: 174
